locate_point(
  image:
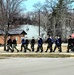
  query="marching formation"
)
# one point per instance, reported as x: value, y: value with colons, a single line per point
x: 11, y: 44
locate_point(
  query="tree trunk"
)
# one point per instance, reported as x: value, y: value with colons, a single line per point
x: 54, y: 29
x: 5, y: 38
x: 64, y: 29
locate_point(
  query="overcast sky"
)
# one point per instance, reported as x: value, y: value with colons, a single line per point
x: 29, y: 4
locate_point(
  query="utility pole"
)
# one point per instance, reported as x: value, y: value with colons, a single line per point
x: 39, y: 22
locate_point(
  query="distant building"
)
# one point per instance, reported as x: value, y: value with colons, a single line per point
x: 33, y: 31
x: 18, y: 34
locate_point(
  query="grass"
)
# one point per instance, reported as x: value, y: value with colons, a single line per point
x: 36, y: 55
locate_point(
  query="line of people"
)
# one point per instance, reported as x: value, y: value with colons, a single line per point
x: 50, y: 42
x: 11, y: 44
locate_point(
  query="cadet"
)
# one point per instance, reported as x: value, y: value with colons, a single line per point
x: 9, y: 45
x: 58, y: 43
x: 23, y: 41
x: 27, y: 42
x: 72, y: 49
x: 70, y: 44
x: 32, y: 44
x: 50, y: 43
x: 15, y: 44
x: 40, y: 44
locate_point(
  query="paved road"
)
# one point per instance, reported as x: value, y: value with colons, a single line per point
x: 37, y: 66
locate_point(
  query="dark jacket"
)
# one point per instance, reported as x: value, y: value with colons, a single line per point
x: 15, y: 42
x: 49, y: 41
x: 73, y: 41
x: 70, y: 41
x: 58, y: 42
x: 23, y: 41
x: 27, y: 41
x: 9, y: 42
x: 32, y: 41
x: 40, y: 42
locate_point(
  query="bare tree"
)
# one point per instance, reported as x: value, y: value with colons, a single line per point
x: 58, y: 9
x: 8, y: 10
x: 55, y: 16
x: 38, y: 7
x: 63, y: 7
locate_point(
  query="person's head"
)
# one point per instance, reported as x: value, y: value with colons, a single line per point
x: 70, y: 37
x: 38, y: 37
x: 26, y: 37
x: 56, y: 37
x: 32, y: 37
x: 49, y: 36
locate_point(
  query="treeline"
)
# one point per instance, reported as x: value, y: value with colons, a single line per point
x: 55, y: 16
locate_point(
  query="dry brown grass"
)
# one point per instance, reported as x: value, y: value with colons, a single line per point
x: 64, y: 48
x: 37, y: 55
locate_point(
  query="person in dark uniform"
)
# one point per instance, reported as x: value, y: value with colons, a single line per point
x: 27, y: 43
x: 14, y: 45
x: 23, y: 45
x: 58, y: 43
x: 32, y: 44
x: 9, y: 45
x: 40, y: 44
x: 50, y: 43
x: 70, y: 43
x: 72, y: 49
